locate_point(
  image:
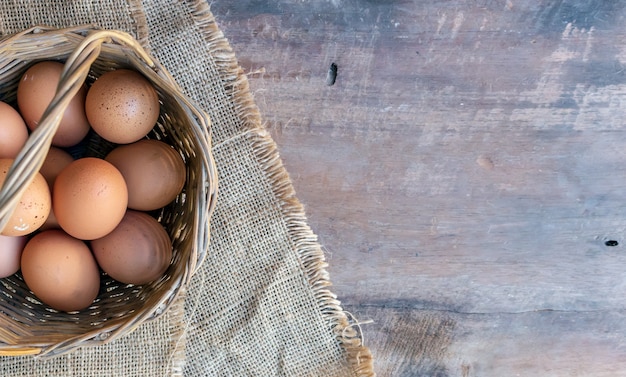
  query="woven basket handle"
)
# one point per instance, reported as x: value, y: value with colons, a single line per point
x: 31, y: 157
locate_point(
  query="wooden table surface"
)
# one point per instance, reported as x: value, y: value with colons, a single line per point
x: 465, y: 172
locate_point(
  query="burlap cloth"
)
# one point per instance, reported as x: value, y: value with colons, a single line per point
x: 260, y: 304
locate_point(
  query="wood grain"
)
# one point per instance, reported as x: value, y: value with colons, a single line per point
x: 464, y: 172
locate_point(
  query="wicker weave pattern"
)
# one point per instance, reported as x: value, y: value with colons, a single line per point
x: 26, y: 325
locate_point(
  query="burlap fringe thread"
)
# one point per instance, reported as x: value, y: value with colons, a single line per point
x: 309, y: 250
x: 178, y: 337
x: 139, y: 16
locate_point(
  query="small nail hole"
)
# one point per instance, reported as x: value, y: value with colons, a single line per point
x: 611, y: 243
x: 332, y: 74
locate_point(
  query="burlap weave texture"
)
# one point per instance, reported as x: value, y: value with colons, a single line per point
x: 260, y: 304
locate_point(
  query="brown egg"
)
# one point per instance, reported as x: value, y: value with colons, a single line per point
x: 35, y: 92
x: 10, y: 254
x: 56, y: 160
x: 154, y: 173
x: 138, y: 251
x: 51, y: 222
x: 60, y: 270
x: 122, y: 106
x: 89, y: 198
x: 33, y: 208
x: 13, y: 131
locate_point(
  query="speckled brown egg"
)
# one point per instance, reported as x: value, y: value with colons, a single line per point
x: 33, y: 207
x: 60, y: 270
x: 89, y: 198
x: 36, y: 90
x: 154, y: 173
x: 13, y: 131
x: 122, y: 106
x: 138, y: 251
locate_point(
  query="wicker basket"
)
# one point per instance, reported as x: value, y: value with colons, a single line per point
x: 26, y: 325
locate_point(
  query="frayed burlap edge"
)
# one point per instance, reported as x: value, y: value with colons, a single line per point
x: 138, y: 14
x: 178, y: 337
x: 309, y: 250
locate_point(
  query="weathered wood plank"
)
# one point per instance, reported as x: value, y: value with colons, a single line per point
x: 467, y: 162
x: 528, y: 344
